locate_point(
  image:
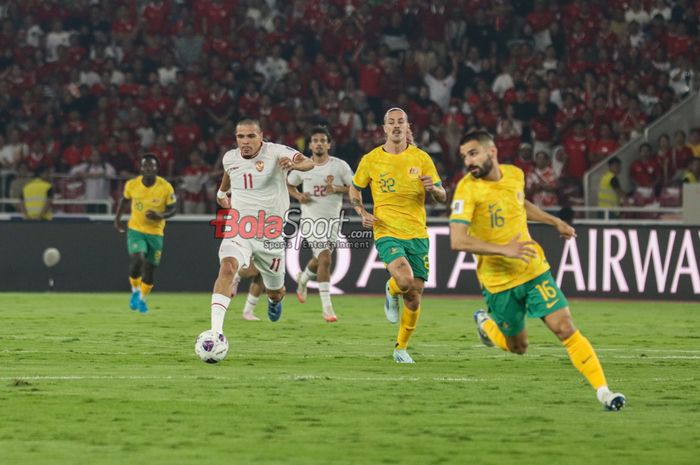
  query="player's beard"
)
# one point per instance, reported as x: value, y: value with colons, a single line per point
x: 481, y: 171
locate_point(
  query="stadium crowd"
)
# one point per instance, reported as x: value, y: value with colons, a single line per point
x: 87, y: 86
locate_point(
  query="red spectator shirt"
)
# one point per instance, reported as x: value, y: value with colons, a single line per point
x: 249, y: 105
x: 540, y: 20
x: 577, y: 151
x: 155, y: 15
x: 73, y: 156
x: 544, y: 178
x: 645, y: 173
x: 370, y: 80
x: 186, y: 137
x: 601, y: 148
x: 507, y: 147
x: 35, y: 160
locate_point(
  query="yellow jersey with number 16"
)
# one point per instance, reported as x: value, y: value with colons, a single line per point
x: 495, y: 213
x: 397, y: 191
x: 143, y: 198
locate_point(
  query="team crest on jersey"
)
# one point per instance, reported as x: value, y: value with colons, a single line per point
x: 413, y: 172
x: 259, y: 165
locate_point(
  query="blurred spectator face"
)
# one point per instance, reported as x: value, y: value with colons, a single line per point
x: 694, y: 136
x: 95, y: 157
x: 525, y: 152
x: 195, y: 158
x: 424, y: 92
x: 664, y: 142
x: 679, y: 138
x: 605, y: 131
x: 645, y: 151
x: 560, y: 155
x: 695, y: 166
x: 542, y: 160
x: 22, y: 170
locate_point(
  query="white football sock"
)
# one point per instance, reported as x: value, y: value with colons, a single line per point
x: 602, y: 392
x: 219, y: 304
x: 324, y: 291
x: 250, y: 303
x: 306, y: 276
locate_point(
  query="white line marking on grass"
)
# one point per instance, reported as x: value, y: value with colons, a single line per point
x: 384, y: 379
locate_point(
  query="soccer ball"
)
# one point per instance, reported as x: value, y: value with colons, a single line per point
x: 211, y: 347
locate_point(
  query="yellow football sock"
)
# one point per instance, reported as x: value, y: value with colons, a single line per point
x: 409, y: 319
x: 145, y: 289
x: 585, y: 359
x: 494, y: 333
x: 394, y: 288
x: 135, y: 282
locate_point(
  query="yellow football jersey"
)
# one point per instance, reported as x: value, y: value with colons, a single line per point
x: 398, y: 193
x: 495, y: 213
x: 155, y: 197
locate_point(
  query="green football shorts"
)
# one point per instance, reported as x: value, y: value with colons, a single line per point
x: 536, y: 298
x: 415, y: 251
x: 151, y: 245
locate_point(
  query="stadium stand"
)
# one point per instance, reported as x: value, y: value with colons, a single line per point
x: 562, y: 85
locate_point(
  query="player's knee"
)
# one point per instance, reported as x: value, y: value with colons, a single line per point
x: 276, y: 295
x: 227, y: 270
x: 519, y: 347
x: 564, y: 329
x: 404, y: 283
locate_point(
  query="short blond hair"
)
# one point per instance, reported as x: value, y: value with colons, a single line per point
x: 386, y: 115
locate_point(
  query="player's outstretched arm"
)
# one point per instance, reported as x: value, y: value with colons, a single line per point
x: 461, y: 240
x: 534, y: 213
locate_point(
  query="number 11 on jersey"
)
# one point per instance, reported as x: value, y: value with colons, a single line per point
x: 247, y: 181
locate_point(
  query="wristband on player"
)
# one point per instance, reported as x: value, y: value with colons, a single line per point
x: 221, y: 195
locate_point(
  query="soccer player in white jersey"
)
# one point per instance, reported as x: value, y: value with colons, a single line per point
x: 321, y: 202
x: 255, y: 175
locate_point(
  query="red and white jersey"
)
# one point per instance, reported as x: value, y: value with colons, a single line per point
x: 322, y: 204
x: 259, y: 183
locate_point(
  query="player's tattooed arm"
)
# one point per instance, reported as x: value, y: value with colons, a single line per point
x: 368, y: 219
x: 437, y: 192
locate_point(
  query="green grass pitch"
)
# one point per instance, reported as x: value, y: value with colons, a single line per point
x: 85, y: 380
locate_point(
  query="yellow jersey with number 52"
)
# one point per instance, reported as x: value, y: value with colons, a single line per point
x: 495, y: 213
x: 143, y: 198
x: 397, y: 191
